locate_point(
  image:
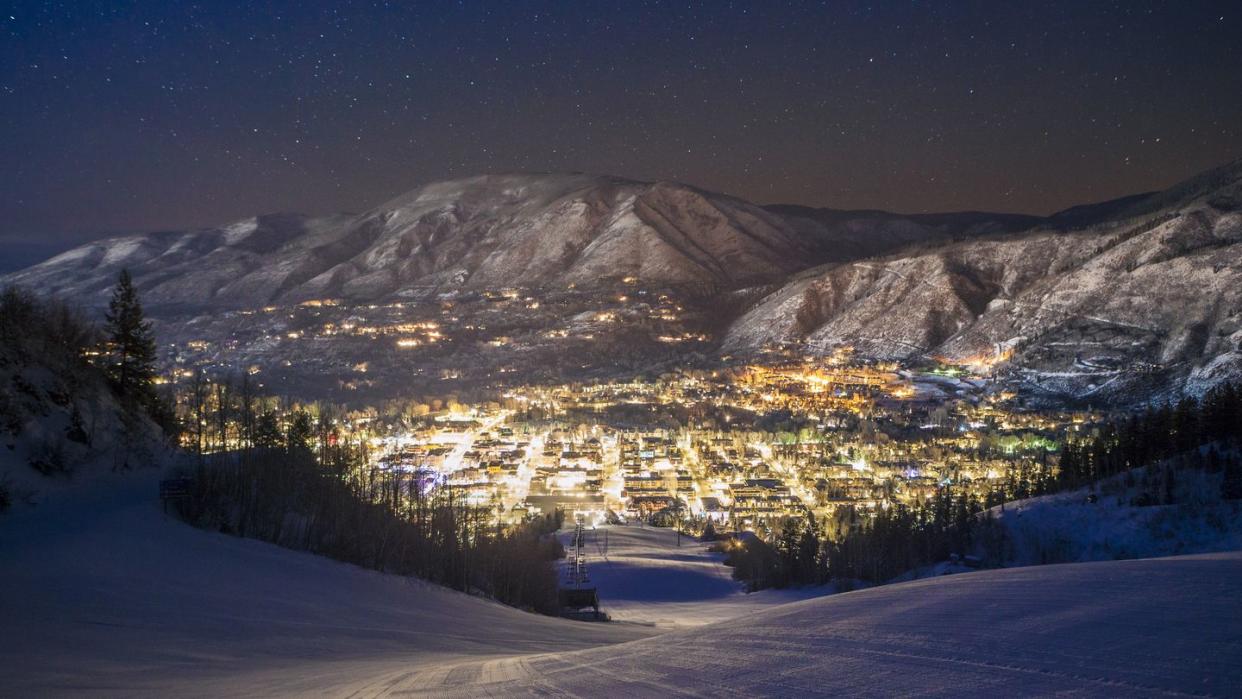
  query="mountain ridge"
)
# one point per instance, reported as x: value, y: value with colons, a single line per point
x: 1137, y: 296
x: 485, y: 231
x: 1146, y: 300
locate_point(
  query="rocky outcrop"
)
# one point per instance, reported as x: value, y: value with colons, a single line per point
x: 1090, y: 311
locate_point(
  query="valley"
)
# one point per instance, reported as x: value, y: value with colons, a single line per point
x: 584, y: 349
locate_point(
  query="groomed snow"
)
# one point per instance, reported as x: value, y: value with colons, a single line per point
x: 643, y: 576
x: 1069, y: 528
x: 1123, y: 628
x: 104, y: 595
x: 100, y: 593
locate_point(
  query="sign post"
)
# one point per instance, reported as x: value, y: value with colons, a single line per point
x: 174, y: 489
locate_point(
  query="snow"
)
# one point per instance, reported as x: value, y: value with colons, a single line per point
x: 104, y: 595
x: 1143, y: 293
x: 643, y: 576
x: 73, y: 255
x: 1067, y: 527
x: 121, y: 250
x: 1132, y: 628
x: 484, y: 232
x: 238, y: 231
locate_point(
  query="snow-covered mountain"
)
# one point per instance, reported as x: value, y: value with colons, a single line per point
x: 110, y: 597
x: 498, y: 231
x: 483, y: 232
x: 1115, y: 300
x: 1152, y: 291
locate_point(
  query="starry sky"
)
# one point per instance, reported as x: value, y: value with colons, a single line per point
x: 142, y: 115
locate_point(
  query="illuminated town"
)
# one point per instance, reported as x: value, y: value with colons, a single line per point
x: 645, y: 349
x: 743, y: 445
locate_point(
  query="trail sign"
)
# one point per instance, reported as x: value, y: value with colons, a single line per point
x: 174, y: 489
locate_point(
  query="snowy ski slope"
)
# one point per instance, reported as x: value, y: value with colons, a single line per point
x: 103, y: 595
x: 643, y: 576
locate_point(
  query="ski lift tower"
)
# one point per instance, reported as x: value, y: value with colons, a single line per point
x: 577, y: 593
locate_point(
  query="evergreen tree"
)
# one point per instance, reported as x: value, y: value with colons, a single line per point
x: 267, y: 432
x: 1186, y: 424
x: 788, y: 547
x: 1222, y: 413
x: 301, y: 432
x: 131, y: 345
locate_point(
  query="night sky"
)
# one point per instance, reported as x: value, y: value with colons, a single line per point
x: 126, y: 116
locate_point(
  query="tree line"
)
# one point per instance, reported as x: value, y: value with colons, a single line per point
x: 294, y: 475
x: 1151, y: 448
x: 1156, y: 434
x: 284, y: 476
x: 58, y: 365
x: 870, y: 547
x: 229, y: 414
x: 51, y: 332
x: 393, y: 521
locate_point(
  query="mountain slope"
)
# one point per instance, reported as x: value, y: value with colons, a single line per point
x: 243, y: 260
x: 649, y: 575
x: 1089, y: 312
x: 1116, y: 301
x: 483, y: 232
x: 60, y: 416
x: 118, y: 599
x: 489, y: 232
x: 1092, y: 629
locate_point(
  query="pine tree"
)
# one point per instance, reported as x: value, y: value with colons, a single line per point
x: 131, y: 345
x: 1221, y: 412
x: 267, y: 431
x: 300, y: 436
x: 1186, y: 424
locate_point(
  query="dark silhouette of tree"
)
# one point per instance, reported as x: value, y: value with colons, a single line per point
x: 301, y: 433
x: 130, y: 346
x: 197, y: 418
x: 267, y: 432
x: 339, y: 506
